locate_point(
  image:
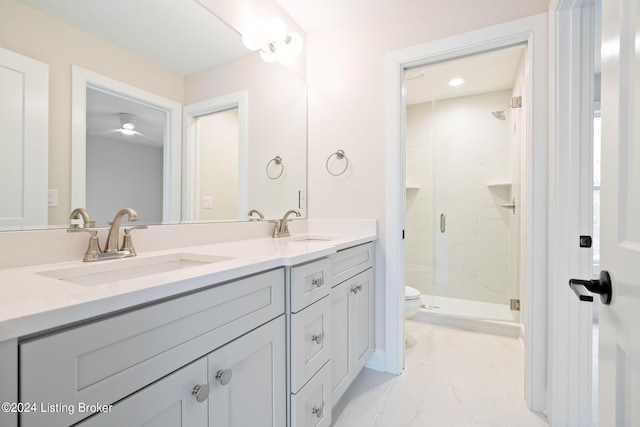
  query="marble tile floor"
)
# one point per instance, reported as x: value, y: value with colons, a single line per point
x: 452, y: 378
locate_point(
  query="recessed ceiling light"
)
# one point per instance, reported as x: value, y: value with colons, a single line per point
x: 456, y: 82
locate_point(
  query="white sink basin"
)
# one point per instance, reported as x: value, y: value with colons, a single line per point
x: 130, y: 268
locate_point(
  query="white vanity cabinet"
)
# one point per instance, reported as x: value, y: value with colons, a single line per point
x: 352, y: 311
x: 309, y: 316
x: 240, y: 384
x: 149, y: 360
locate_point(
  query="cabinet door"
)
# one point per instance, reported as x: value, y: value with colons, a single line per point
x: 169, y: 402
x: 363, y: 320
x: 247, y: 379
x: 340, y: 338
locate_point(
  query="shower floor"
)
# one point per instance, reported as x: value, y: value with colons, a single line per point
x: 469, y: 315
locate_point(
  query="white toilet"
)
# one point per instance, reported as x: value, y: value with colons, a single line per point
x: 411, y: 301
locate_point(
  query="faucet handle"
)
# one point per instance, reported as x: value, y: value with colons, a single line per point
x: 93, y: 250
x: 276, y: 228
x: 127, y: 243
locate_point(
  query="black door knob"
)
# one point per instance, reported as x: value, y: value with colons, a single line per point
x: 601, y: 286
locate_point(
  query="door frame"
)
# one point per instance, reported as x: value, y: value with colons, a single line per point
x: 573, y: 43
x: 191, y: 151
x: 80, y: 80
x: 533, y: 31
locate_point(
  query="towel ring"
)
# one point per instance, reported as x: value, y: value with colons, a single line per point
x: 338, y: 155
x: 278, y: 161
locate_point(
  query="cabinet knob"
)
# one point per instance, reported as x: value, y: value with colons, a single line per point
x: 224, y: 376
x: 359, y: 287
x: 354, y: 289
x: 201, y: 392
x: 317, y: 338
x: 317, y: 411
x: 318, y: 282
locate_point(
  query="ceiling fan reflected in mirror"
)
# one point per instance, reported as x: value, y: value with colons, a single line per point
x: 127, y: 127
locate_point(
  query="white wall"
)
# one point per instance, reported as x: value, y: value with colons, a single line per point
x: 277, y: 126
x: 121, y: 173
x: 218, y: 155
x: 346, y: 79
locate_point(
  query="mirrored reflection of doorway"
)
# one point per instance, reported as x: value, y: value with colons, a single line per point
x: 124, y: 157
x: 217, y: 145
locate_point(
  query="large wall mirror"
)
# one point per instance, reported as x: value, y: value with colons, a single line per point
x: 156, y: 65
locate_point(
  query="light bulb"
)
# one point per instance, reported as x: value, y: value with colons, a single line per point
x: 295, y: 44
x: 275, y: 30
x: 456, y: 82
x: 249, y: 41
x: 126, y: 131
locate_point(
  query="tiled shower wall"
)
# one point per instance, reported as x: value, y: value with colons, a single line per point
x: 458, y: 166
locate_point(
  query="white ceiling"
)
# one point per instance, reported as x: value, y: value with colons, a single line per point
x: 316, y: 14
x: 103, y: 118
x: 181, y: 35
x: 482, y: 73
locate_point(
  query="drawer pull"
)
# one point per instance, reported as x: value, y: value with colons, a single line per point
x: 317, y: 411
x: 317, y: 282
x: 224, y: 376
x: 316, y: 338
x: 201, y: 392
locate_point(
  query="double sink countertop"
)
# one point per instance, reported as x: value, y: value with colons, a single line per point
x: 42, y: 297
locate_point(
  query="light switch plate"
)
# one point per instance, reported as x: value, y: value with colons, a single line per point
x: 207, y: 202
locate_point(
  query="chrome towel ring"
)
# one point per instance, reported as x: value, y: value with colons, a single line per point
x: 277, y: 161
x: 339, y: 155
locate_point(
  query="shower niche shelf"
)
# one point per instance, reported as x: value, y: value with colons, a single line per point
x: 499, y: 185
x: 501, y: 189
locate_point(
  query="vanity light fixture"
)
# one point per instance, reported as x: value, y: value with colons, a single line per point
x: 456, y: 81
x: 273, y: 41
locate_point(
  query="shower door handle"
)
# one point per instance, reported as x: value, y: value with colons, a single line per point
x: 443, y: 223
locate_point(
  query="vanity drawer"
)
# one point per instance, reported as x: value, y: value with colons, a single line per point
x: 104, y: 361
x: 312, y: 405
x: 349, y: 262
x: 310, y: 341
x: 309, y: 283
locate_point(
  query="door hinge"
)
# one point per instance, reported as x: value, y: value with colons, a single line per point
x: 516, y: 102
x: 515, y: 305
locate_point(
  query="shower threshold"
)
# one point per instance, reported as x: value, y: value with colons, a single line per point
x: 468, y: 315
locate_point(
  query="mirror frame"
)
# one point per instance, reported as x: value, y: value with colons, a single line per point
x: 81, y: 79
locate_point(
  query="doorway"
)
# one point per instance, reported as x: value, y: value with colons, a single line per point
x: 463, y: 178
x: 532, y: 32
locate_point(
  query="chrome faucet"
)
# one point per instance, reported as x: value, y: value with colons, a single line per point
x: 78, y: 213
x: 257, y: 212
x: 281, y: 227
x: 110, y: 251
x: 114, y: 232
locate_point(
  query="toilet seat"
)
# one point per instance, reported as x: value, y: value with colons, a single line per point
x: 411, y: 293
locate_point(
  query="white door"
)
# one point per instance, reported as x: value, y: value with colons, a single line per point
x: 619, y: 359
x: 24, y: 121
